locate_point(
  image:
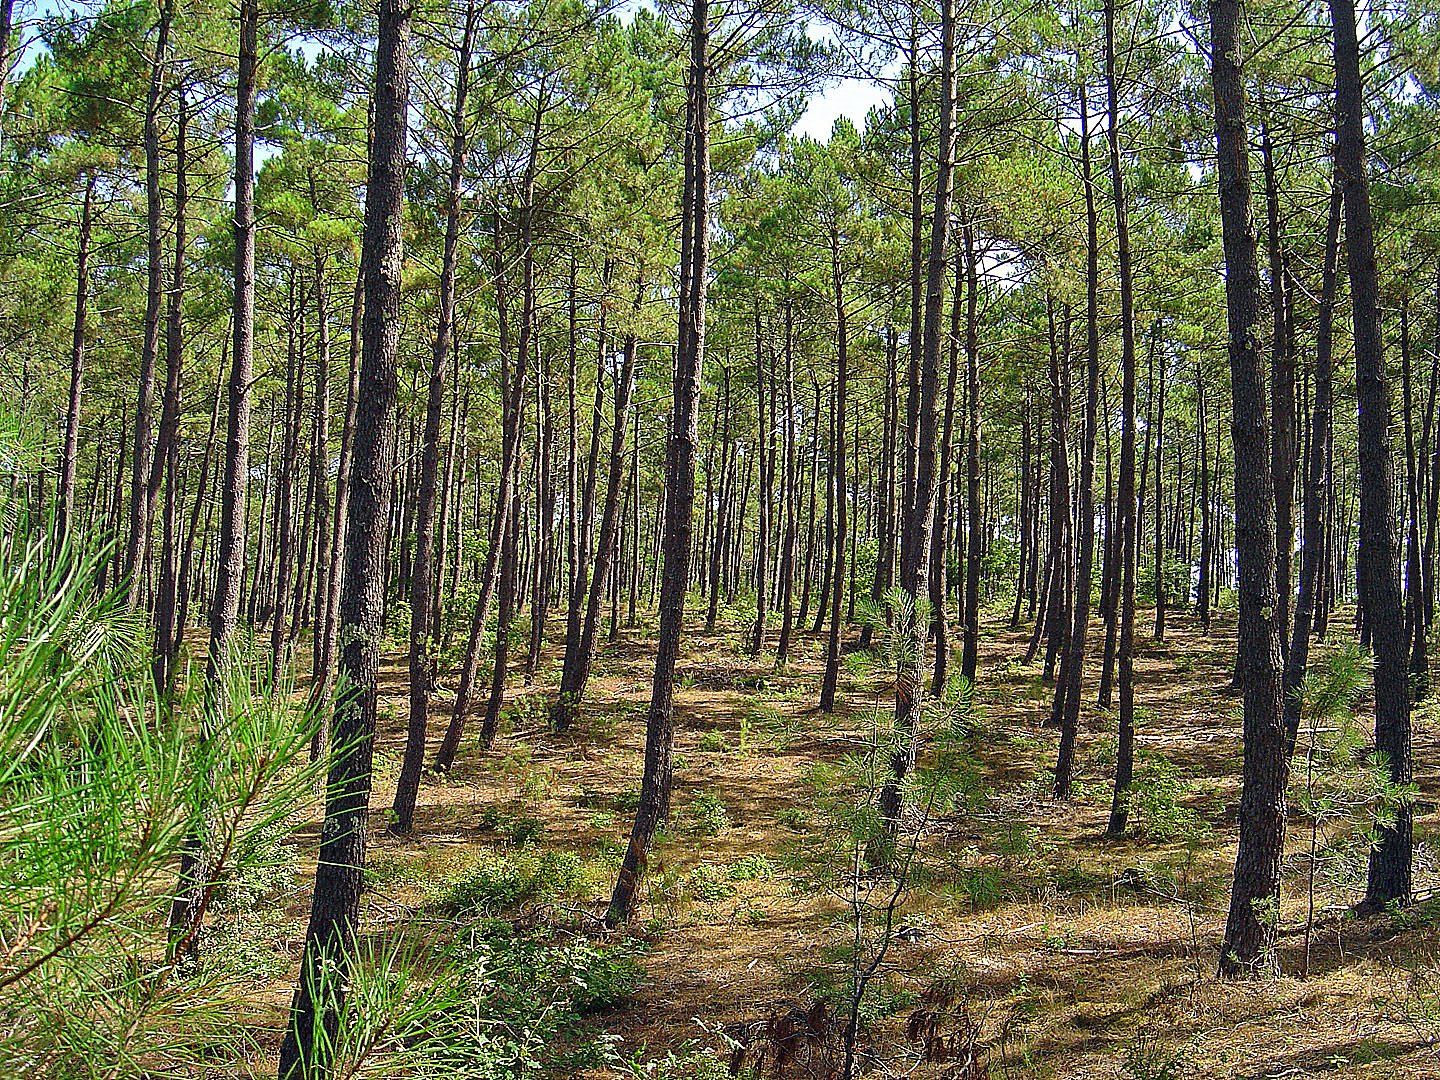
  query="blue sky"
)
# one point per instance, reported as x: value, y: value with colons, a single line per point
x: 851, y: 98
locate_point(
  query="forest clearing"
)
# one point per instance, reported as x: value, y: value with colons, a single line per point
x: 718, y: 538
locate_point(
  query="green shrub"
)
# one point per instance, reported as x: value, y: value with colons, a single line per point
x: 498, y: 881
x: 1155, y: 798
x: 750, y: 868
x: 516, y: 828
x: 707, y: 884
x: 706, y: 815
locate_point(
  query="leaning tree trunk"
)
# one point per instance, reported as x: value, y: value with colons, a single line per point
x: 422, y: 659
x: 919, y: 512
x: 654, y: 804
x: 311, y: 1036
x: 1065, y: 711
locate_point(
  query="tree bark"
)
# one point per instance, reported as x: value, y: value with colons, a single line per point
x: 1389, y: 877
x: 1251, y: 925
x: 655, y: 784
x: 339, y: 874
x: 421, y: 657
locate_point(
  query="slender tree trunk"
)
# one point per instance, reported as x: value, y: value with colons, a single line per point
x: 765, y: 451
x: 576, y: 671
x: 1126, y: 496
x: 919, y: 510
x: 422, y: 659
x: 1282, y: 387
x: 655, y: 784
x: 319, y: 1001
x: 837, y: 469
x: 787, y: 503
x: 1160, y: 598
x: 167, y: 633
x: 185, y: 911
x: 141, y: 501
x: 974, y: 543
x: 1414, y: 620
x: 66, y: 504
x: 1065, y: 710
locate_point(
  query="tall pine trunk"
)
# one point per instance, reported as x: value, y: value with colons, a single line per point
x: 1389, y: 877
x: 655, y: 784
x: 1251, y: 925
x: 318, y: 1006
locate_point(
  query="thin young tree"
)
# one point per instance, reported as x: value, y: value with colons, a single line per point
x: 655, y: 783
x: 421, y: 658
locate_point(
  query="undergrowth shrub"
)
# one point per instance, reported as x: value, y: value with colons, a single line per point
x: 496, y: 881
x: 706, y: 815
x: 1155, y: 798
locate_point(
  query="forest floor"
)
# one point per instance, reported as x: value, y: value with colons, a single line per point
x: 1060, y: 953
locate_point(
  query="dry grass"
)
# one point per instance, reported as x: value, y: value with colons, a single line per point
x: 1094, y: 958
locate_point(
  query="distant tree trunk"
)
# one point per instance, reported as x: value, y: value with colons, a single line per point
x: 1389, y: 877
x: 1282, y: 387
x: 141, y: 503
x: 422, y: 659
x: 885, y: 526
x: 285, y: 491
x: 975, y: 537
x: 513, y: 406
x: 540, y: 576
x: 320, y: 467
x: 787, y: 504
x: 765, y: 451
x: 202, y: 500
x: 1059, y: 582
x: 939, y: 536
x: 1160, y: 598
x: 310, y: 1038
x: 66, y: 504
x: 837, y: 469
x: 510, y: 553
x: 576, y: 671
x: 167, y: 633
x: 586, y: 486
x: 186, y: 909
x: 1414, y: 620
x: 1126, y: 496
x: 655, y: 784
x: 339, y: 522
x: 1251, y: 926
x: 919, y: 510
x: 722, y: 519
x: 1065, y: 709
x: 1207, y: 528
